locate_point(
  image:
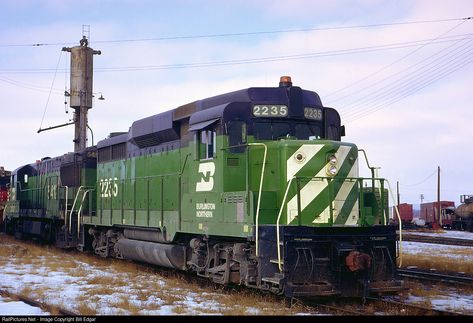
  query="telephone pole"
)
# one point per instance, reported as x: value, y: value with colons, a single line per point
x: 438, y: 197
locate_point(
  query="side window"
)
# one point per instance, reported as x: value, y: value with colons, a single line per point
x: 237, y: 136
x: 206, y: 144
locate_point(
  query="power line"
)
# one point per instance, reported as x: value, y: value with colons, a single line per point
x: 422, y: 181
x: 51, y: 90
x: 349, y: 51
x: 395, y: 86
x: 237, y: 34
x: 389, y: 65
x: 418, y: 88
x: 27, y: 85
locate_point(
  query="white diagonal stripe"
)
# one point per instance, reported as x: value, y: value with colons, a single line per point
x: 342, y: 196
x: 309, y: 192
x: 308, y: 151
x: 323, y: 217
x: 315, y: 186
x: 342, y: 154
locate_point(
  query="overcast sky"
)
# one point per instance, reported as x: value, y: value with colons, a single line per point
x: 399, y: 72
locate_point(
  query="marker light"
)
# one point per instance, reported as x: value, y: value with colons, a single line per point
x: 332, y: 160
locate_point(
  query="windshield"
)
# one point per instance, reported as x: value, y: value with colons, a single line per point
x: 273, y: 130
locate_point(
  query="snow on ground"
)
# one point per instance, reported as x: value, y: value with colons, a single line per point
x: 11, y: 307
x: 448, y: 298
x: 91, y: 285
x: 434, y: 249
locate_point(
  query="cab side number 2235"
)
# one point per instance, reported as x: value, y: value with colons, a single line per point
x: 108, y: 187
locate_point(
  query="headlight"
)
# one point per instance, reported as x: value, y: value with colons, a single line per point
x: 299, y: 157
x: 332, y: 170
x: 332, y: 160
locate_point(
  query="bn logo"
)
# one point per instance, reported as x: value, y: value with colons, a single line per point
x: 207, y: 171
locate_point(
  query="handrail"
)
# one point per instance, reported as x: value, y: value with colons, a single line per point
x: 260, y: 189
x: 400, y: 224
x: 72, y: 209
x: 80, y: 211
x: 278, y: 219
x: 65, y: 211
x: 372, y: 168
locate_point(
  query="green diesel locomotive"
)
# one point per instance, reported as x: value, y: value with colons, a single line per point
x: 252, y: 187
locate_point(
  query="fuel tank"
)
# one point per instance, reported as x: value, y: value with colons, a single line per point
x: 464, y: 211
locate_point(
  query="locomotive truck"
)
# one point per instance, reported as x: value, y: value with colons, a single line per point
x: 252, y: 187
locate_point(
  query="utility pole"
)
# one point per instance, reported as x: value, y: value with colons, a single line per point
x: 438, y: 197
x: 81, y: 89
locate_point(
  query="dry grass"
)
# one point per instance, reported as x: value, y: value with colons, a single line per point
x: 125, y: 304
x: 86, y: 308
x: 100, y: 280
x: 440, y: 262
x: 97, y: 290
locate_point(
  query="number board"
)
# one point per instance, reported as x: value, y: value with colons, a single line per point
x: 313, y: 113
x: 270, y: 110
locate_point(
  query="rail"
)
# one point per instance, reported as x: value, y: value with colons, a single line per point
x: 80, y: 210
x: 438, y: 240
x: 69, y: 217
x: 72, y: 209
x: 37, y: 193
x: 41, y: 305
x: 445, y: 277
x: 65, y: 208
x: 278, y: 220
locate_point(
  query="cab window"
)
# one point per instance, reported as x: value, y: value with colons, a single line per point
x: 271, y: 130
x: 237, y: 136
x: 206, y: 142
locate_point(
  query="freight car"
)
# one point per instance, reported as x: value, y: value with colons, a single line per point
x: 252, y: 187
x: 4, y: 183
x: 429, y: 213
x: 406, y: 213
x: 464, y: 214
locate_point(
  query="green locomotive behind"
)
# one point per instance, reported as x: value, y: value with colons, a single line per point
x: 252, y: 187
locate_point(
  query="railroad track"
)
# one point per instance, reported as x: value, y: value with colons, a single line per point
x: 452, y: 278
x: 377, y: 306
x: 438, y: 240
x: 403, y: 308
x: 53, y: 309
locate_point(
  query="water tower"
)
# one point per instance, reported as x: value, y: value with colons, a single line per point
x: 81, y: 89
